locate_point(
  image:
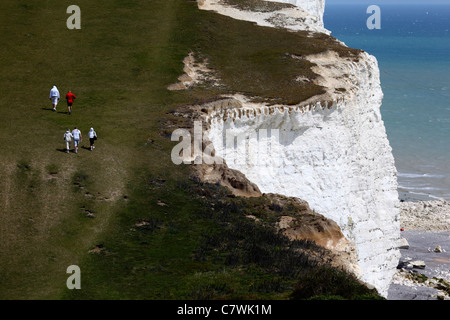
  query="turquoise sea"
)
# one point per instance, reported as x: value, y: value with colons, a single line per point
x: 413, y: 52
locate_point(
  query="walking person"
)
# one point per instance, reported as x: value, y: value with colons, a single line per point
x: 70, y: 97
x: 54, y: 97
x: 68, y: 138
x: 77, y: 138
x: 92, y: 137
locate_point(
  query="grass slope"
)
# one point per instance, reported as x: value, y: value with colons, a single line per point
x: 149, y: 223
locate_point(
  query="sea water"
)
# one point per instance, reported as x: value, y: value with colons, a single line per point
x: 413, y: 52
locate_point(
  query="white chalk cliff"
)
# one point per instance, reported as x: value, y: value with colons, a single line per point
x: 331, y: 151
x: 308, y: 17
x: 313, y: 7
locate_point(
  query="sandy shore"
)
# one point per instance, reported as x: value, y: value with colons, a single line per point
x: 426, y: 228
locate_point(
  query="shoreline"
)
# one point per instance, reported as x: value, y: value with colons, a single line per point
x: 425, y: 227
x: 430, y: 215
x: 406, y: 195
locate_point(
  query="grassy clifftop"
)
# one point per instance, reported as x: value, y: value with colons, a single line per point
x: 133, y: 222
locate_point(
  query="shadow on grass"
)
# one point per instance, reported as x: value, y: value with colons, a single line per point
x: 72, y: 150
x: 63, y: 150
x: 51, y: 109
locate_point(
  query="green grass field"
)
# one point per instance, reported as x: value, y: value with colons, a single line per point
x: 119, y: 65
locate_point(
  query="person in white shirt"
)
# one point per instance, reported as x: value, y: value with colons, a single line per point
x: 92, y: 137
x: 77, y: 138
x: 54, y: 97
x: 68, y: 138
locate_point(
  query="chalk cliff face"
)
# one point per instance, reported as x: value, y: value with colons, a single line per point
x: 331, y: 151
x: 313, y: 7
x: 306, y: 15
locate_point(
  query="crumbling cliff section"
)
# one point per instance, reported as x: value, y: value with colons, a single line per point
x: 330, y: 150
x: 333, y: 153
x: 308, y: 17
x: 313, y: 7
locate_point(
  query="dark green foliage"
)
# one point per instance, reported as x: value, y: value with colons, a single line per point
x: 245, y: 242
x: 258, y: 5
x: 328, y: 283
x: 23, y: 165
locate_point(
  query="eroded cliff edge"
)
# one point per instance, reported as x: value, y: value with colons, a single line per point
x: 329, y: 149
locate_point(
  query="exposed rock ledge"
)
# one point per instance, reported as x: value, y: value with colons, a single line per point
x: 324, y: 232
x: 307, y: 224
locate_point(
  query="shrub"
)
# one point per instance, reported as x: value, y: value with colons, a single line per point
x: 329, y: 283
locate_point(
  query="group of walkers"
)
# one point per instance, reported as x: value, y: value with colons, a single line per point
x: 77, y: 138
x: 54, y: 98
x: 75, y: 134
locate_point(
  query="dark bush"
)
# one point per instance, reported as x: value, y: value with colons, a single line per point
x: 331, y: 283
x: 275, y: 207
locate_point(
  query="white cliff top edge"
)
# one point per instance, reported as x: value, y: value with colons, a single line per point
x: 294, y: 19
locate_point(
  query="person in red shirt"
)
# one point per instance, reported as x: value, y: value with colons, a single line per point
x: 70, y: 97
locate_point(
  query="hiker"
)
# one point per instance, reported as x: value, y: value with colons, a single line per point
x: 77, y: 138
x: 92, y: 137
x: 68, y: 138
x: 70, y: 97
x: 54, y: 97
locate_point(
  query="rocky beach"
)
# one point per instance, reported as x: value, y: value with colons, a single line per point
x: 424, y: 269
